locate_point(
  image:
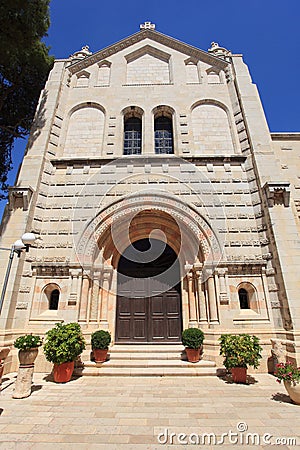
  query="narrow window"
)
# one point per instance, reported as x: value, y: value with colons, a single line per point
x: 132, y: 136
x: 54, y: 299
x: 163, y: 132
x: 244, y: 299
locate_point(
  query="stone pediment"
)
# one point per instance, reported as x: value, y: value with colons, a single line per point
x: 155, y: 36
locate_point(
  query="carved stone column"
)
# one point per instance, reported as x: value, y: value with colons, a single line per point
x: 74, y: 287
x: 224, y: 300
x: 106, y: 280
x: 95, y: 297
x: 212, y: 301
x: 201, y: 297
x: 192, y: 300
x: 85, y: 290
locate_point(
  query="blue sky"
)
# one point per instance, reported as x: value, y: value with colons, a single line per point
x: 266, y: 32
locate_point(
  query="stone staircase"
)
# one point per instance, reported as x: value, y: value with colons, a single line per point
x: 146, y: 360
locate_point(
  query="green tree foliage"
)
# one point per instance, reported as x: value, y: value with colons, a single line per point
x: 24, y: 67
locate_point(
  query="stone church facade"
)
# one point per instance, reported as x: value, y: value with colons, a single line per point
x: 160, y: 201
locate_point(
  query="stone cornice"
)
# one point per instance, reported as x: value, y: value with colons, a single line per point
x: 158, y: 159
x: 285, y: 136
x: 154, y: 36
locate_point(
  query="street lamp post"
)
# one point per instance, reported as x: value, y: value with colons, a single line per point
x: 21, y: 244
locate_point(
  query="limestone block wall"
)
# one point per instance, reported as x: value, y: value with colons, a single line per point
x: 71, y: 172
x: 78, y: 103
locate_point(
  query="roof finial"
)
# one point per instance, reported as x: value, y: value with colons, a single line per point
x: 147, y: 26
x: 219, y: 51
x: 83, y: 53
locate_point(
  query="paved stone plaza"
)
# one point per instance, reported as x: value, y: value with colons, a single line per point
x: 130, y: 412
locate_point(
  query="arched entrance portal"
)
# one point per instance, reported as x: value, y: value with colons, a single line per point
x: 149, y: 294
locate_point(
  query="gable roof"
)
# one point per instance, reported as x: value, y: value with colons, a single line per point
x: 155, y: 36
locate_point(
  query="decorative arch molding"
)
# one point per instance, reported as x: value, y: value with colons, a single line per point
x: 132, y: 111
x: 213, y: 75
x: 191, y: 60
x: 192, y: 71
x: 216, y: 70
x: 85, y: 105
x: 148, y: 50
x: 148, y: 66
x: 82, y: 78
x: 199, y: 240
x: 163, y: 110
x: 83, y: 74
x: 104, y: 63
x: 211, y: 101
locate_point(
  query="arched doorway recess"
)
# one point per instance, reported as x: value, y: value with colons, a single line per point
x: 149, y: 294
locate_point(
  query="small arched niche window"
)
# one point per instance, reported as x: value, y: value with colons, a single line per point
x: 163, y: 131
x: 132, y: 131
x: 51, y: 294
x: 243, y: 299
x: 54, y: 299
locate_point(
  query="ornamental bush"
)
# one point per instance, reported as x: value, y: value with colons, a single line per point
x: 64, y: 343
x: 192, y: 338
x: 241, y: 350
x: 100, y: 339
x: 27, y: 342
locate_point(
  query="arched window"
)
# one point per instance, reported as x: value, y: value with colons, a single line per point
x: 54, y: 299
x: 163, y: 133
x: 244, y: 299
x: 132, y: 136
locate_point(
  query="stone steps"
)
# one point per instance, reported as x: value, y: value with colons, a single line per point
x: 146, y: 360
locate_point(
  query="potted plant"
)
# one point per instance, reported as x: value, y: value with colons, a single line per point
x: 63, y: 344
x: 100, y: 341
x: 240, y: 351
x: 28, y: 348
x: 192, y: 339
x: 290, y: 375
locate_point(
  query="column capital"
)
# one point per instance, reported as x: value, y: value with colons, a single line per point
x: 222, y: 271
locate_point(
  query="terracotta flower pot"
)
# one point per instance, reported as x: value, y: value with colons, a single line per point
x: 100, y: 355
x: 193, y: 354
x: 239, y: 374
x: 62, y: 373
x: 27, y: 357
x: 293, y: 391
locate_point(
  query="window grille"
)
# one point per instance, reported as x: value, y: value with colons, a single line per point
x: 132, y: 136
x: 163, y: 135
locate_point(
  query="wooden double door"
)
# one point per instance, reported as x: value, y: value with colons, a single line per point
x: 149, y: 319
x: 148, y: 306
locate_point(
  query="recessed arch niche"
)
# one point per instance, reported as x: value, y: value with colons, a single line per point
x: 211, y: 129
x: 85, y: 130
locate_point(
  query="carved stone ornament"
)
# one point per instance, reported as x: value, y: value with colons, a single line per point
x: 81, y: 54
x: 278, y: 193
x: 147, y: 26
x: 19, y: 197
x: 21, y: 305
x: 218, y: 51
